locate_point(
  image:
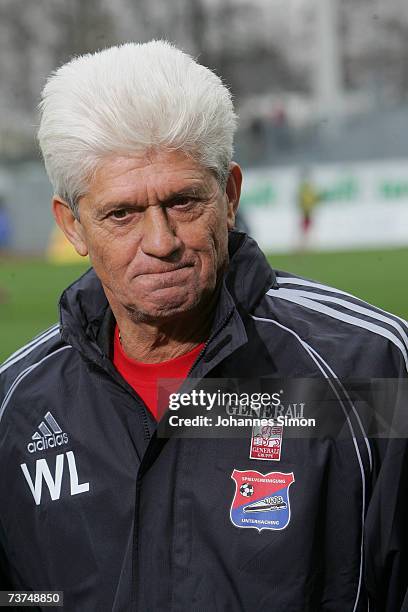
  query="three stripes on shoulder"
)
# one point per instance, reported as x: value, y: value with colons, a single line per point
x: 30, y: 346
x: 344, y: 307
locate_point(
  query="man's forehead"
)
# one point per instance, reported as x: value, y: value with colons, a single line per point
x: 168, y: 174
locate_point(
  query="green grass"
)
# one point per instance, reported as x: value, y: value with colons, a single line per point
x: 32, y: 288
x: 30, y: 303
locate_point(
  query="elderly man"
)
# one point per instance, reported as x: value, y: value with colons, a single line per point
x: 137, y: 142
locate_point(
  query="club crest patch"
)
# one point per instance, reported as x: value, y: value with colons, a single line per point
x: 261, y: 501
x: 266, y: 442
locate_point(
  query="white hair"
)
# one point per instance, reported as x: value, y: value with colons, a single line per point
x: 131, y: 99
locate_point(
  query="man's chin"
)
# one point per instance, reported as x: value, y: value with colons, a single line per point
x: 160, y: 311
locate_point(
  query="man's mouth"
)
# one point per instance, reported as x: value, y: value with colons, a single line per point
x: 165, y: 279
x: 165, y: 271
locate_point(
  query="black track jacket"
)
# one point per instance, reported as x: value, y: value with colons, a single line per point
x: 94, y: 503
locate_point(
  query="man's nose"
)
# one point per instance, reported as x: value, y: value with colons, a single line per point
x: 159, y: 237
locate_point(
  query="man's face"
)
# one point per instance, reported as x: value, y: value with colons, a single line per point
x: 156, y: 230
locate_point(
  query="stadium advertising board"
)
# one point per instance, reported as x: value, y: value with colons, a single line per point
x: 361, y: 205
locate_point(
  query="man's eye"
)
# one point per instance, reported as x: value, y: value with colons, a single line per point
x: 184, y: 203
x: 121, y: 213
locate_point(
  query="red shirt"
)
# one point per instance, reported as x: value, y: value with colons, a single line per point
x: 143, y: 377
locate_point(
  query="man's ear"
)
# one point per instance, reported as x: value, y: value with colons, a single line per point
x: 233, y: 192
x: 71, y: 227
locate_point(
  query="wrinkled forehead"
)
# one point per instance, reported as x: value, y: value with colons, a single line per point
x: 142, y: 178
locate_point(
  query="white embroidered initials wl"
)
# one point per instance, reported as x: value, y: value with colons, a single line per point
x: 42, y: 471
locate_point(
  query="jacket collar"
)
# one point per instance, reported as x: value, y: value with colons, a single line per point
x: 87, y: 321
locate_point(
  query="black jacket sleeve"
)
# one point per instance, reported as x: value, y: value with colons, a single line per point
x: 5, y: 581
x: 386, y: 525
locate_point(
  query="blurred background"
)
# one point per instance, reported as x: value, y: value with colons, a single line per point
x: 321, y: 89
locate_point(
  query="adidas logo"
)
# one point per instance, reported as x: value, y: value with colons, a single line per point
x: 50, y: 436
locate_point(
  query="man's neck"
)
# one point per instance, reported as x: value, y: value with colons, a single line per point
x: 160, y: 341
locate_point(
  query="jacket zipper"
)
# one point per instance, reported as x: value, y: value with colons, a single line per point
x: 135, y: 560
x: 210, y: 339
x: 134, y: 396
